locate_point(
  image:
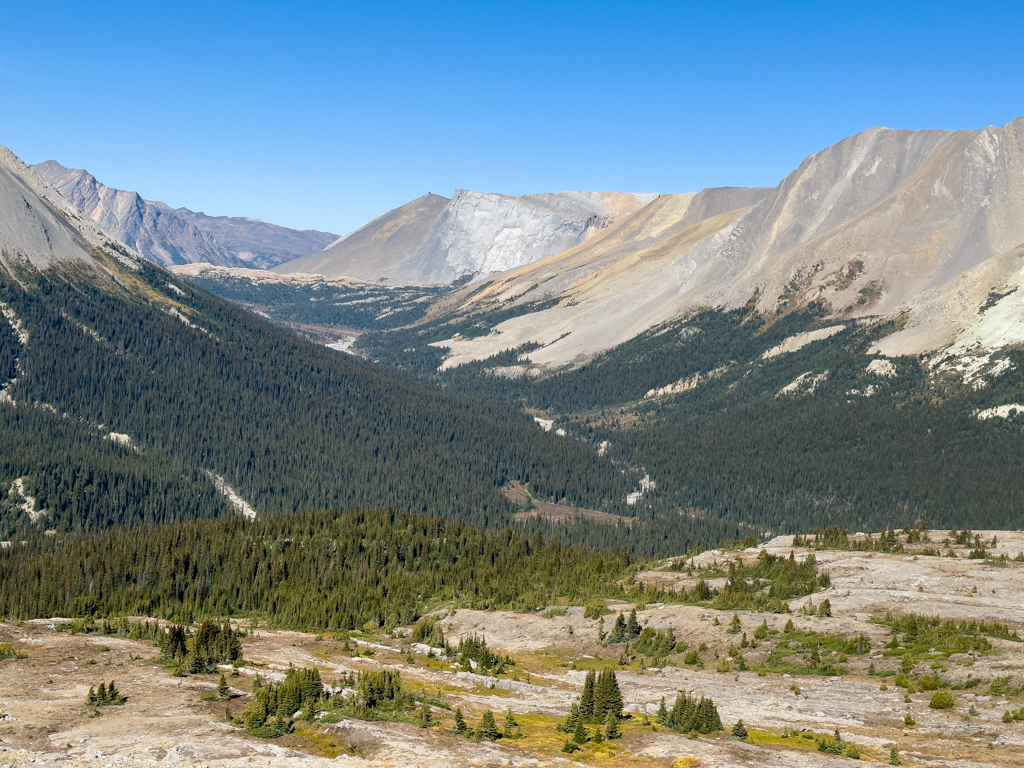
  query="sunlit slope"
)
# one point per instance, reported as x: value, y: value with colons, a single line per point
x: 926, y: 226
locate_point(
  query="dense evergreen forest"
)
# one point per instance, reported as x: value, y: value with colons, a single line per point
x: 306, y: 570
x: 847, y: 448
x: 200, y: 385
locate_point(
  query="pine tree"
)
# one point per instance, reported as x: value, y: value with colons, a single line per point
x: 662, y: 716
x: 90, y: 697
x: 734, y: 626
x: 580, y: 735
x: 611, y: 726
x: 587, y: 698
x: 426, y: 716
x: 739, y: 730
x: 618, y: 631
x: 825, y: 609
x: 572, y: 718
x: 894, y: 755
x: 789, y: 626
x: 632, y: 626
x: 460, y: 721
x: 607, y: 697
x: 223, y: 691
x: 510, y: 724
x: 488, y: 729
x: 101, y: 694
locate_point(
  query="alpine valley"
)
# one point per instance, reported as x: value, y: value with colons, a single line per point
x: 727, y: 477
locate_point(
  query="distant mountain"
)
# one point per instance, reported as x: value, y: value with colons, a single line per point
x: 923, y: 226
x: 376, y: 249
x: 475, y: 234
x: 169, y: 236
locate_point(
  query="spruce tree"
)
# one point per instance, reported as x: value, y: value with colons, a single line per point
x: 488, y: 729
x: 101, y: 694
x: 90, y: 697
x: 632, y: 626
x: 894, y: 755
x: 739, y: 730
x: 510, y: 724
x: 611, y: 726
x: 460, y: 721
x: 222, y: 689
x: 587, y: 698
x: 662, y: 717
x: 734, y: 626
x: 580, y: 735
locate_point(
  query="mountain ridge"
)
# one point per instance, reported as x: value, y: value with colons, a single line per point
x: 436, y: 240
x: 884, y: 223
x: 170, y: 236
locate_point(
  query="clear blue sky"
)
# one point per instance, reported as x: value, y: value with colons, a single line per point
x: 325, y: 115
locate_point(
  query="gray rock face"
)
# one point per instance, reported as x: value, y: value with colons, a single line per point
x: 37, y: 224
x: 169, y: 236
x: 480, y: 234
x: 435, y: 240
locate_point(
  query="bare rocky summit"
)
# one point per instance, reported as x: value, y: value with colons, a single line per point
x: 475, y: 234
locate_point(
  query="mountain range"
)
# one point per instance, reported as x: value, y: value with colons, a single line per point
x: 924, y: 226
x: 169, y: 236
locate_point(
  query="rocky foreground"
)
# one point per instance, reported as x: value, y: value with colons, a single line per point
x: 170, y: 720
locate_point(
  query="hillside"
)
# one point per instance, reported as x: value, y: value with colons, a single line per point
x: 475, y: 234
x: 922, y: 225
x: 168, y: 236
x: 127, y: 368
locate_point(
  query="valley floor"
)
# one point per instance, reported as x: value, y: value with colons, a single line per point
x: 167, y: 722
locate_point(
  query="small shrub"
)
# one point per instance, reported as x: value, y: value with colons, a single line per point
x: 942, y: 700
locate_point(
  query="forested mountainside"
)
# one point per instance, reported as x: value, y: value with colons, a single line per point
x: 287, y: 424
x: 779, y: 424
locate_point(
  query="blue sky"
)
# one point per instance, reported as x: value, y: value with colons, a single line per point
x: 325, y: 115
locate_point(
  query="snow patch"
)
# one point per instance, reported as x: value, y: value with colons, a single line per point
x: 646, y: 484
x: 15, y: 322
x: 685, y: 385
x: 342, y: 345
